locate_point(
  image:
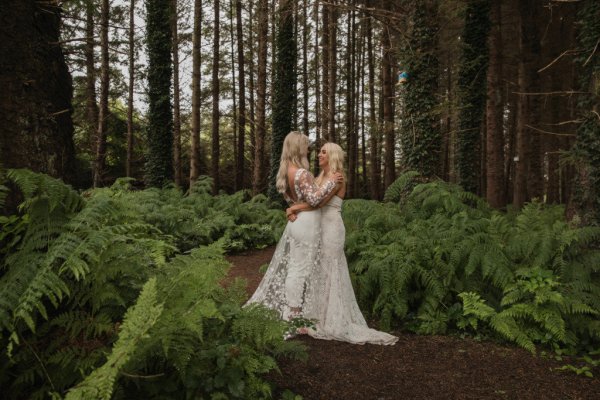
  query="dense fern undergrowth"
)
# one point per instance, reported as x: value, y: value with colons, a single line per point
x: 435, y: 259
x: 115, y: 293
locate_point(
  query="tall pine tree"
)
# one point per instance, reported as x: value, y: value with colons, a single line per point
x: 159, y: 165
x: 472, y: 92
x: 284, y: 87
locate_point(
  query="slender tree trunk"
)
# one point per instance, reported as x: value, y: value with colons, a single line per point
x: 234, y: 108
x: 494, y: 118
x: 326, y: 61
x: 130, y: 88
x: 305, y: 126
x: 196, y: 78
x: 90, y: 79
x: 240, y: 167
x: 350, y: 139
x: 388, y: 112
x: 176, y: 100
x: 216, y: 150
x: 251, y: 86
x: 263, y: 37
x: 104, y: 86
x: 373, y: 131
x: 528, y: 170
x: 318, y: 114
x: 331, y: 95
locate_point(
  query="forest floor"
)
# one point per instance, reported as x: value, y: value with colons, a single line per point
x: 418, y: 367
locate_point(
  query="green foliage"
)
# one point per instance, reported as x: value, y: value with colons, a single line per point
x: 73, y: 267
x: 443, y: 260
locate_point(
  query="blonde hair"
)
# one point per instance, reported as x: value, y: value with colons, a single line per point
x: 335, y: 156
x: 294, y: 152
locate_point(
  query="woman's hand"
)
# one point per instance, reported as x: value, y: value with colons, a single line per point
x: 338, y: 178
x: 291, y: 216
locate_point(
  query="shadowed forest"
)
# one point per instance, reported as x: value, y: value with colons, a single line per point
x: 139, y: 144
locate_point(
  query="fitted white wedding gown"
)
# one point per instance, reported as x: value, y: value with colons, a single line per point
x: 334, y: 307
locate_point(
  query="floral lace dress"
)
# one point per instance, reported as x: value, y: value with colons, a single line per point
x: 334, y: 306
x: 286, y: 285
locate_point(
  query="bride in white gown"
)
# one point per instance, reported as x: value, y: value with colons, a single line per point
x: 287, y: 286
x: 333, y: 303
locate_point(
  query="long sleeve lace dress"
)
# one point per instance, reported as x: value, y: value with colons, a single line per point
x: 286, y: 286
x: 334, y: 304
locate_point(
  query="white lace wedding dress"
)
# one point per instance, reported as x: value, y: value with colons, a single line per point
x: 286, y: 286
x: 309, y: 271
x: 334, y: 307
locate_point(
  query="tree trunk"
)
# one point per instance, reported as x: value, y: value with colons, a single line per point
x: 159, y: 159
x: 36, y: 129
x: 130, y: 88
x: 251, y: 87
x: 305, y: 126
x: 196, y: 78
x: 284, y: 93
x: 176, y: 101
x: 494, y: 115
x: 241, y: 125
x: 216, y: 151
x: 528, y: 182
x: 373, y: 131
x: 331, y: 88
x: 471, y: 85
x: 90, y: 80
x: 326, y: 61
x: 388, y: 111
x: 104, y: 86
x: 258, y: 184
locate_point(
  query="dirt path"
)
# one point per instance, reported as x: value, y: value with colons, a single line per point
x: 418, y: 367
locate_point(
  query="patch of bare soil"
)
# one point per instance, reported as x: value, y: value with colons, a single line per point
x: 418, y: 367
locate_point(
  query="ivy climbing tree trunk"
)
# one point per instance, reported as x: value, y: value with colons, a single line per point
x: 472, y: 92
x: 159, y: 159
x: 284, y: 93
x: 421, y: 138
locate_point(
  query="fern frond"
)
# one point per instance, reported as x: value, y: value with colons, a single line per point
x: 138, y: 320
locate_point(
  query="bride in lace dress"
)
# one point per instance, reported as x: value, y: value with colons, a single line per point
x: 333, y: 303
x: 286, y: 286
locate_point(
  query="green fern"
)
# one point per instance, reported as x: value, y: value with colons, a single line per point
x: 138, y: 320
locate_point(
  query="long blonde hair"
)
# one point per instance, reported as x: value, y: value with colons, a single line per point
x: 336, y: 156
x: 294, y: 152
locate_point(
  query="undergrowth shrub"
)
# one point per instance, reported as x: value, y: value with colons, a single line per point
x: 98, y: 301
x: 442, y: 260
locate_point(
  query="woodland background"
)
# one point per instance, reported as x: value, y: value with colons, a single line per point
x: 498, y: 93
x: 139, y: 141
